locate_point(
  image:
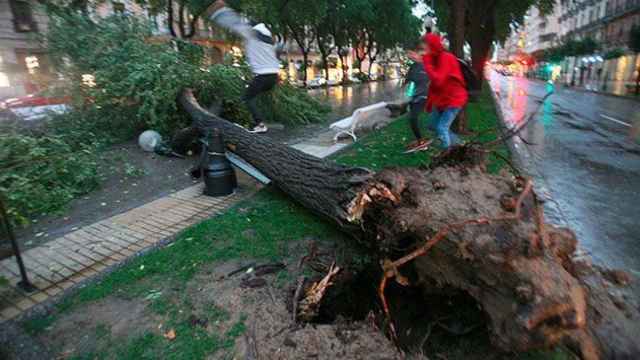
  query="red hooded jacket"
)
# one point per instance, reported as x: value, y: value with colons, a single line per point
x: 447, y: 87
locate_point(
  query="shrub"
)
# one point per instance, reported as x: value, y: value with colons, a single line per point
x: 614, y: 54
x: 41, y: 173
x: 131, y: 71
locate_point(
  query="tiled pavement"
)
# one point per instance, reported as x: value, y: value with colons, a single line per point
x: 65, y: 261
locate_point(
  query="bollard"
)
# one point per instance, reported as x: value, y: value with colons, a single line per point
x: 218, y: 174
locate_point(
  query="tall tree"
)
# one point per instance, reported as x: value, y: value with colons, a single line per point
x: 483, y: 23
x: 393, y: 24
x: 302, y: 20
x: 325, y: 43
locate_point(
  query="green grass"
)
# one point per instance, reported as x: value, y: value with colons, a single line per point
x: 263, y: 227
x: 385, y: 148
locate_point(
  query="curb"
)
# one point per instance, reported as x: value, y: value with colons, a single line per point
x: 627, y: 97
x: 583, y: 90
x: 517, y: 160
x: 540, y: 185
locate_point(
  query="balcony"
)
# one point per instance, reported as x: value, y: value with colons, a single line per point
x: 628, y: 7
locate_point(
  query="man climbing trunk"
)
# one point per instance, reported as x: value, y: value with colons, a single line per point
x: 260, y: 48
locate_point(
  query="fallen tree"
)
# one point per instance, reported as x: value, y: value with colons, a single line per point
x: 461, y: 228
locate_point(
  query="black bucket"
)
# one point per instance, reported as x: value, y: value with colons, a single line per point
x: 217, y: 172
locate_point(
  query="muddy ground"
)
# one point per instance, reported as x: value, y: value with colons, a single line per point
x: 215, y: 301
x: 243, y: 310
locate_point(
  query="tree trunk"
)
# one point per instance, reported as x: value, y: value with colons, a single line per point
x: 305, y: 66
x: 460, y: 227
x: 371, y: 61
x: 170, y: 24
x: 345, y: 67
x: 456, y: 27
x: 324, y: 53
x: 457, y: 31
x: 481, y: 34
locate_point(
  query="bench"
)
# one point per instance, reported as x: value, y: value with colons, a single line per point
x: 348, y: 126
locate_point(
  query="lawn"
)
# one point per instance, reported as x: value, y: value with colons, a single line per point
x: 385, y: 148
x: 263, y: 227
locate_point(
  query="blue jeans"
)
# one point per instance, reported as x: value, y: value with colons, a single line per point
x: 442, y: 121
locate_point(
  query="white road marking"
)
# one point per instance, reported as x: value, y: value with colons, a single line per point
x: 615, y: 120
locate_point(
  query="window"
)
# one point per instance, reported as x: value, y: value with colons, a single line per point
x: 22, y: 16
x: 4, y: 80
x: 118, y: 7
x: 33, y: 61
x: 547, y: 37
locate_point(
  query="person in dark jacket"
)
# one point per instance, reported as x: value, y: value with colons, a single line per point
x: 447, y: 87
x: 260, y: 48
x: 417, y: 82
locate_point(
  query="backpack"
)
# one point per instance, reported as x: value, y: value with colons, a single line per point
x: 471, y: 79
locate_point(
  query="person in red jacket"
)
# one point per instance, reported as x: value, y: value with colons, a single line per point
x: 447, y: 89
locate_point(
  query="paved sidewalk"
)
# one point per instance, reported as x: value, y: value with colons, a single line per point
x: 76, y: 256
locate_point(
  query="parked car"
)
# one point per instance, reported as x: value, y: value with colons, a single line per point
x: 35, y: 106
x: 317, y: 82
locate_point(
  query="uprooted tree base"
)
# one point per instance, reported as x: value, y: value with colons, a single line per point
x: 457, y: 227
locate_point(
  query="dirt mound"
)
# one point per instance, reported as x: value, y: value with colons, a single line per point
x: 270, y: 332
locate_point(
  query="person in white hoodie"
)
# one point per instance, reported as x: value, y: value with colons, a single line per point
x: 260, y: 48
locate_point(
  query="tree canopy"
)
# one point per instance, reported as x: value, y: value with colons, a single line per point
x: 485, y: 22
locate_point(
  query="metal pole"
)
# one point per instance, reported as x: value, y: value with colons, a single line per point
x: 24, y: 284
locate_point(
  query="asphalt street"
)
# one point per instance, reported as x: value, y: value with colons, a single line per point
x: 583, y: 150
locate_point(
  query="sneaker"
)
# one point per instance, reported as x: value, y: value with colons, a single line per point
x: 418, y: 145
x: 259, y: 129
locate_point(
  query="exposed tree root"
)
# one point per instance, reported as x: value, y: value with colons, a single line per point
x: 310, y: 304
x: 520, y: 270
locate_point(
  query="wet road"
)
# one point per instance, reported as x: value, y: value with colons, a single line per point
x: 584, y: 153
x: 344, y: 100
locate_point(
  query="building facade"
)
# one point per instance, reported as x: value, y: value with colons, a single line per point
x: 541, y: 31
x: 608, y: 22
x: 580, y: 19
x: 619, y: 18
x: 23, y: 61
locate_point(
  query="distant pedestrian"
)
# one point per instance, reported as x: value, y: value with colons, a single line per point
x: 447, y: 92
x: 416, y: 83
x: 638, y: 81
x: 260, y: 48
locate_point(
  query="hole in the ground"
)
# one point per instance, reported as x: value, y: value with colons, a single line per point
x: 352, y: 298
x: 423, y: 322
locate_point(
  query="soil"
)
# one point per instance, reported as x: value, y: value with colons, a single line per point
x: 262, y: 302
x: 76, y: 332
x: 270, y: 326
x: 349, y: 325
